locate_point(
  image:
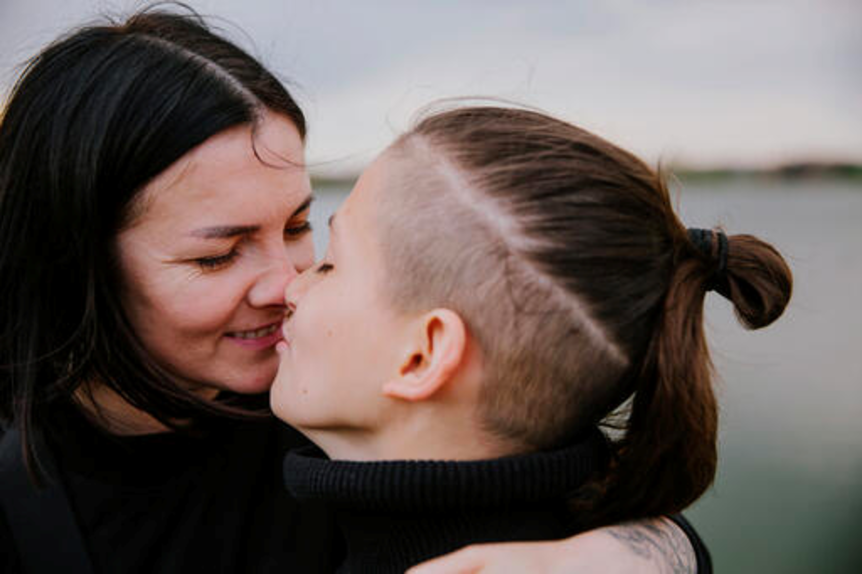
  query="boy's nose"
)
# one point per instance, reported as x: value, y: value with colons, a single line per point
x: 290, y: 309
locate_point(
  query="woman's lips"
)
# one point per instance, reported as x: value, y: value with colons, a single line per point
x: 260, y: 338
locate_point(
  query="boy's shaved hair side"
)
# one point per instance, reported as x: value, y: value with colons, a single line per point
x: 447, y: 245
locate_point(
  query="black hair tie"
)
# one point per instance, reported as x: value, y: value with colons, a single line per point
x: 702, y: 239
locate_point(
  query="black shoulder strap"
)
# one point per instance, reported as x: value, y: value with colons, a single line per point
x: 41, y: 520
x: 704, y: 559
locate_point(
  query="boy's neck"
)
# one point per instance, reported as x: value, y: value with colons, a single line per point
x: 427, y: 436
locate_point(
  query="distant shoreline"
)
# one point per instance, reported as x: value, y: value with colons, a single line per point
x: 789, y: 171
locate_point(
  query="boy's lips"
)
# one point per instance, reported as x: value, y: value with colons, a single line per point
x: 284, y: 344
x: 285, y: 334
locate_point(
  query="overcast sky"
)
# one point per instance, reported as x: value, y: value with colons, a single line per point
x: 746, y: 82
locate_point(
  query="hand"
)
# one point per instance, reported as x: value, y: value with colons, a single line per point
x: 645, y: 547
x: 497, y: 559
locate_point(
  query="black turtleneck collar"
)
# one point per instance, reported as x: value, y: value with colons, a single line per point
x: 395, y: 514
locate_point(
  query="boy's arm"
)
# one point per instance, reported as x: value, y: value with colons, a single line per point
x: 659, y: 546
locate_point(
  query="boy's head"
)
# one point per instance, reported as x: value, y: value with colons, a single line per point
x: 487, y: 263
x: 501, y: 280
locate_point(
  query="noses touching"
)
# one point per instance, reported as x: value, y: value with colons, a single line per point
x: 295, y: 291
x: 269, y: 288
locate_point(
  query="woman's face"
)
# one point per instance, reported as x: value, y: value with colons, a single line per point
x: 204, y: 267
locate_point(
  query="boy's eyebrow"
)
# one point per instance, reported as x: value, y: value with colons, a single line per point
x: 228, y: 231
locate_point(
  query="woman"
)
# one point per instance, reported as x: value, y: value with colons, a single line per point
x: 522, y: 279
x: 153, y: 208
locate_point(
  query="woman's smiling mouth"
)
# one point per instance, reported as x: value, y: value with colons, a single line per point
x: 260, y: 338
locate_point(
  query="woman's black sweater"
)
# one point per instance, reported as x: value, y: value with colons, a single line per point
x: 395, y: 514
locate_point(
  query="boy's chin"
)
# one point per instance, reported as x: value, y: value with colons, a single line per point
x: 279, y: 402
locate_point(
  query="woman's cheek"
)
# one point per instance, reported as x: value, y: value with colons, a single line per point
x: 202, y: 301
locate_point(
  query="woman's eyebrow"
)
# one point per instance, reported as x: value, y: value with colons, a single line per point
x: 224, y: 231
x: 303, y: 206
x: 228, y: 231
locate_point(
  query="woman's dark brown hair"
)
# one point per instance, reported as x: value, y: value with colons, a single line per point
x: 93, y: 118
x: 582, y: 287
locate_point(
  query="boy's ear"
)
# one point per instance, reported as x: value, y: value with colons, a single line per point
x: 433, y: 358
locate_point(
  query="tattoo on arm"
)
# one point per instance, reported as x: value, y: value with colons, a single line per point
x: 660, y: 541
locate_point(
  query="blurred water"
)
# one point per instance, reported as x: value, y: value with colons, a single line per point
x: 788, y: 496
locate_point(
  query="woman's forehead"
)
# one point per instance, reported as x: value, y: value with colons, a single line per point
x: 235, y: 173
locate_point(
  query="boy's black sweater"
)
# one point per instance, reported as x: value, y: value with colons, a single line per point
x: 395, y: 514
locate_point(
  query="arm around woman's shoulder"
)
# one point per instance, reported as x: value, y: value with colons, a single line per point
x: 659, y: 546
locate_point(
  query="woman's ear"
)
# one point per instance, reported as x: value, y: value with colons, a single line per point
x: 433, y: 358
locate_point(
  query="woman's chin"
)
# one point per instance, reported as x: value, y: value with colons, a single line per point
x: 252, y: 388
x: 250, y: 384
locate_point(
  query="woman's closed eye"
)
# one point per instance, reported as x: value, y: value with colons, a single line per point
x: 216, y: 261
x: 297, y: 230
x: 324, y: 268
